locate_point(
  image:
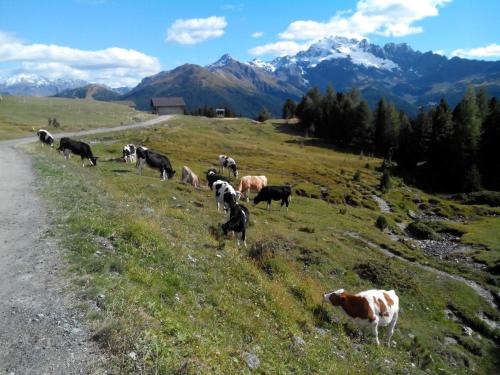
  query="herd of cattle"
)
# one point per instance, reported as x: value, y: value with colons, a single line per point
x: 371, y: 308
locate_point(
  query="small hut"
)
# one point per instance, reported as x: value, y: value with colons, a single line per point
x: 172, y: 105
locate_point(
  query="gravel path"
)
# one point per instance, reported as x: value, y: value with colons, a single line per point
x: 41, y: 331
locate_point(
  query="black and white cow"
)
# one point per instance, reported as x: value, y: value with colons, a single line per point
x: 129, y: 153
x: 68, y: 146
x: 238, y: 221
x: 213, y: 176
x: 229, y: 163
x: 156, y: 161
x: 224, y: 194
x: 274, y: 193
x: 45, y: 137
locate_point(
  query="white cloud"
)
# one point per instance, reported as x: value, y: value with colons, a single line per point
x: 380, y: 17
x: 112, y: 66
x: 492, y: 50
x: 281, y: 48
x: 196, y: 30
x: 439, y: 52
x: 257, y: 34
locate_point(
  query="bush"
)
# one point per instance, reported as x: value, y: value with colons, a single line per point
x: 421, y: 231
x: 264, y: 115
x: 381, y: 222
x: 385, y: 181
x: 490, y: 198
x: 357, y: 176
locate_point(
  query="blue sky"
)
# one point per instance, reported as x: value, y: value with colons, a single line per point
x: 119, y: 42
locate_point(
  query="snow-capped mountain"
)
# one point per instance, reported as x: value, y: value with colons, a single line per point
x: 359, y: 52
x: 35, y: 85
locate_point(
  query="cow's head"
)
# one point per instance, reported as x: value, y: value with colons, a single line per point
x: 93, y: 160
x: 170, y: 173
x: 234, y: 170
x: 335, y: 298
x: 257, y: 199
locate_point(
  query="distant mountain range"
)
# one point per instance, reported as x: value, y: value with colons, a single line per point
x: 35, y: 85
x: 407, y: 77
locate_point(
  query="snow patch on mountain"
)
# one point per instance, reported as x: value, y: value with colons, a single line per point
x: 262, y: 65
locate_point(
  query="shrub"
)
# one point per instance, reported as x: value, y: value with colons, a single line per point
x: 421, y: 231
x: 264, y: 115
x: 357, y: 176
x: 385, y: 181
x: 490, y: 198
x: 381, y: 222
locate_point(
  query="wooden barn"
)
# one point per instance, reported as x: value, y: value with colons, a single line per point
x: 171, y: 105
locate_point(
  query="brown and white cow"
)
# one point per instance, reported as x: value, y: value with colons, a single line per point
x: 251, y: 184
x: 189, y: 177
x: 371, y: 308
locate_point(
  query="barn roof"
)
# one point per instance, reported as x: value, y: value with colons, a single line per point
x: 170, y: 101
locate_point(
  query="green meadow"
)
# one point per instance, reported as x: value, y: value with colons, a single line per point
x: 165, y: 293
x: 21, y: 116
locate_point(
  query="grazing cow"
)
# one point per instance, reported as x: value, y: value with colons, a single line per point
x: 251, y: 183
x: 274, y: 193
x: 238, y: 222
x: 129, y: 153
x: 225, y: 194
x: 371, y: 308
x: 229, y: 163
x: 68, y: 146
x: 189, y: 177
x: 154, y: 160
x: 213, y: 176
x: 45, y: 137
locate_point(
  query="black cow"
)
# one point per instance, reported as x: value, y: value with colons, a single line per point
x: 238, y: 222
x: 213, y: 176
x: 155, y: 161
x: 45, y: 137
x: 68, y: 146
x: 275, y: 193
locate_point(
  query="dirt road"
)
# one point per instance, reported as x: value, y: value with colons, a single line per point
x: 41, y: 331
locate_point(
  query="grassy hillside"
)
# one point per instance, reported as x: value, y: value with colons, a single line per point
x: 19, y: 115
x: 165, y: 294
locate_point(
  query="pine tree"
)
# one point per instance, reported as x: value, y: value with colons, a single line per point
x: 329, y: 121
x: 423, y: 133
x: 362, y: 127
x: 489, y: 153
x: 482, y: 103
x: 289, y: 109
x: 467, y: 129
x: 408, y: 147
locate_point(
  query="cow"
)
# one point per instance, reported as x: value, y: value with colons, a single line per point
x: 371, y: 308
x: 238, y: 222
x: 224, y: 194
x: 213, y: 176
x: 154, y: 160
x: 45, y: 137
x: 68, y: 146
x: 251, y: 183
x: 229, y: 163
x: 189, y: 177
x: 129, y: 153
x: 274, y: 193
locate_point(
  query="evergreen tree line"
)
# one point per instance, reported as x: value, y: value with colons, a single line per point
x: 210, y: 112
x: 441, y: 148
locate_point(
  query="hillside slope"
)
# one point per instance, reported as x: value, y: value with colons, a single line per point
x: 91, y: 91
x: 19, y: 116
x: 166, y: 294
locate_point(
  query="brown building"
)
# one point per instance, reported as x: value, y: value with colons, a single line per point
x: 171, y: 105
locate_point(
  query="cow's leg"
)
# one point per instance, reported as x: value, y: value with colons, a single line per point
x: 244, y: 237
x: 375, y: 332
x: 390, y: 329
x: 269, y: 204
x: 218, y: 206
x: 247, y: 195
